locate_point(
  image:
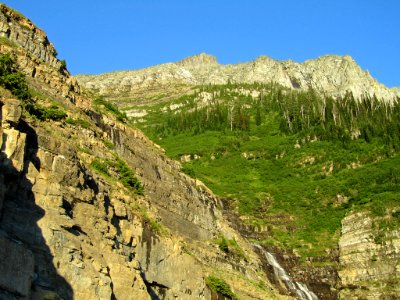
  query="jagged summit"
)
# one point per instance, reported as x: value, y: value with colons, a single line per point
x: 331, y: 75
x: 199, y: 59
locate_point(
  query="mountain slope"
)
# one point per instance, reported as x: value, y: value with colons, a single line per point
x: 90, y: 208
x: 308, y: 173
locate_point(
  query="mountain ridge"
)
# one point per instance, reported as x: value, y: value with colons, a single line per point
x: 331, y: 75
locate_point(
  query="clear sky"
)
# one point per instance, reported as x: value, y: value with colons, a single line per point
x: 96, y: 36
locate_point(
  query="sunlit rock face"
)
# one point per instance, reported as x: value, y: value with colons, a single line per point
x: 330, y: 75
x: 369, y: 259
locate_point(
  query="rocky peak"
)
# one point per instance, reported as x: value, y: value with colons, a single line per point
x: 21, y: 31
x: 199, y: 59
x: 36, y: 57
x: 263, y: 59
x: 331, y: 75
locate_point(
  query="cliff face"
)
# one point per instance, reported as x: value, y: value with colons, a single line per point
x: 36, y: 57
x: 369, y: 258
x: 70, y: 231
x: 330, y: 75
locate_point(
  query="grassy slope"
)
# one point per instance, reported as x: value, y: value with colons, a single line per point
x: 297, y: 192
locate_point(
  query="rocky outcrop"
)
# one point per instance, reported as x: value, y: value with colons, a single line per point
x: 22, y: 32
x: 36, y: 57
x: 369, y: 259
x: 331, y: 75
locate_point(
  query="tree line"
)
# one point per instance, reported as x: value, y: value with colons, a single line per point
x: 305, y: 113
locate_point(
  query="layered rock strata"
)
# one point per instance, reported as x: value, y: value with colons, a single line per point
x: 369, y: 259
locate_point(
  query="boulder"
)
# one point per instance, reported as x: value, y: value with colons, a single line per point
x: 14, y: 150
x: 11, y: 113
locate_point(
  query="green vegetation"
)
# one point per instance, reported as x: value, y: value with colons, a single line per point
x: 78, y: 122
x: 292, y: 162
x: 230, y: 246
x: 156, y: 226
x: 109, y: 144
x: 101, y: 166
x: 128, y: 177
x: 12, y: 79
x: 15, y: 82
x: 302, y: 113
x: 63, y: 65
x: 100, y: 102
x: 42, y: 113
x: 8, y: 42
x: 119, y: 169
x: 220, y: 286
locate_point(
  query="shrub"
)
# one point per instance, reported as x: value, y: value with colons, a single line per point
x: 78, y: 122
x: 7, y: 64
x: 188, y: 170
x: 230, y: 246
x: 63, y: 65
x: 6, y: 41
x: 44, y: 113
x: 128, y: 178
x: 16, y: 83
x: 109, y: 144
x: 125, y: 174
x: 223, y: 244
x: 100, y: 166
x: 11, y: 79
x: 111, y: 108
x: 220, y: 286
x: 396, y: 214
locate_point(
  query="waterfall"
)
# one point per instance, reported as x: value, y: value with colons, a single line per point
x: 297, y: 288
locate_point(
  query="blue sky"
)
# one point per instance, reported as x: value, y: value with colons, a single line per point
x: 101, y: 36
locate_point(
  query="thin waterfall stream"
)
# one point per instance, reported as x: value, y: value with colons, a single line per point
x: 297, y: 288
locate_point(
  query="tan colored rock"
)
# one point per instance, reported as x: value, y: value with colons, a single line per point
x: 119, y: 209
x: 11, y: 113
x: 19, y: 29
x: 167, y: 268
x: 331, y: 75
x: 14, y: 149
x: 369, y: 259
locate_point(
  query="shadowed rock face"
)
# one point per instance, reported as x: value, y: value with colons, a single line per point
x: 25, y: 258
x: 331, y: 75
